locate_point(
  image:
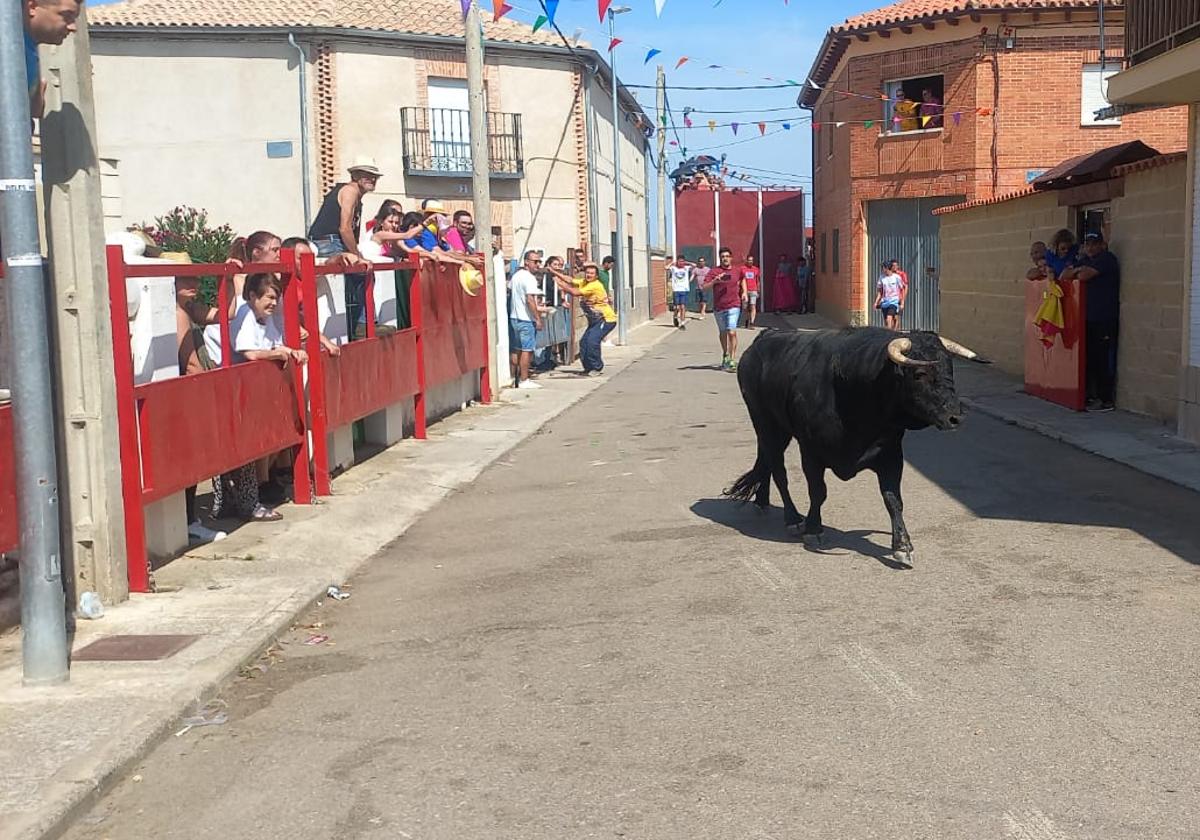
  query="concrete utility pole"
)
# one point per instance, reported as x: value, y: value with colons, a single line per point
x: 93, y: 511
x: 662, y: 161
x: 43, y: 613
x: 481, y: 185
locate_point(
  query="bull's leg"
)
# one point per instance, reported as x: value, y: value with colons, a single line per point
x: 814, y: 472
x: 791, y: 516
x: 889, y: 468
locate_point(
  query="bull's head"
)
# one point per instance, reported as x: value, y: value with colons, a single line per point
x: 925, y: 361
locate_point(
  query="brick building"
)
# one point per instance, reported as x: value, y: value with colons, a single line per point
x: 1019, y: 82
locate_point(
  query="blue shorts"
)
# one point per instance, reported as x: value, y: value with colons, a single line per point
x: 727, y: 319
x: 680, y: 298
x: 524, y: 334
x: 890, y: 309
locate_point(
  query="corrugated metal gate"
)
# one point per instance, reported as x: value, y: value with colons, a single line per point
x: 905, y: 229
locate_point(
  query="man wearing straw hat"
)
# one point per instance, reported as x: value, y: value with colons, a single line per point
x: 335, y: 229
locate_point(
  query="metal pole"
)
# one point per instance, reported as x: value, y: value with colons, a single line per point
x: 662, y: 159
x: 305, y: 176
x: 43, y: 612
x: 481, y: 185
x: 618, y: 252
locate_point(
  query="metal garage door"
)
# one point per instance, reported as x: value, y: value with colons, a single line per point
x: 905, y: 229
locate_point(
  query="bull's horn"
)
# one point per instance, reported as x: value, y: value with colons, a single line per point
x: 958, y: 349
x: 896, y: 349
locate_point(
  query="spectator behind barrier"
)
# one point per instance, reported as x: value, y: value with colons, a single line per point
x: 385, y: 241
x: 302, y: 246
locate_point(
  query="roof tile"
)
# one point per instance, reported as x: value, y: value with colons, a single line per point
x: 417, y: 17
x: 908, y: 11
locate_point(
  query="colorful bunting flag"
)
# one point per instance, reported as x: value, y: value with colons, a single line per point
x: 687, y: 121
x: 466, y: 7
x: 838, y: 124
x: 681, y: 62
x: 673, y: 142
x: 604, y: 4
x: 734, y: 126
x: 651, y: 55
x: 540, y: 22
x: 787, y: 126
x: 895, y: 121
x: 868, y: 123
x: 712, y: 125
x: 500, y: 11
x: 762, y: 128
x: 983, y: 112
x: 551, y: 10
x: 925, y: 121
x: 816, y: 126
x: 714, y: 67
x: 613, y: 43
x: 658, y: 6
x: 957, y: 117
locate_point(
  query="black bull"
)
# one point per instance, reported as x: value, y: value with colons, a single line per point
x: 847, y: 398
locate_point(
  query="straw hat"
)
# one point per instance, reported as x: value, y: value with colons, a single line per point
x: 432, y: 205
x: 471, y: 279
x: 366, y: 165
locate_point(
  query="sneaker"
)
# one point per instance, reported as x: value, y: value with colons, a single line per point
x: 1103, y: 407
x: 732, y: 366
x: 594, y: 373
x: 725, y: 361
x: 528, y: 385
x: 199, y: 532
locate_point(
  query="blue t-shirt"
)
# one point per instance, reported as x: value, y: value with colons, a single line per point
x: 428, y: 240
x: 1059, y: 264
x: 33, y: 77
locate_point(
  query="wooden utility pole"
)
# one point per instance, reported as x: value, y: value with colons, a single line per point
x: 663, y: 239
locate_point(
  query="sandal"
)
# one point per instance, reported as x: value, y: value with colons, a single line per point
x: 262, y: 513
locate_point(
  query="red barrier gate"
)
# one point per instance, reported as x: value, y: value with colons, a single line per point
x: 1056, y: 372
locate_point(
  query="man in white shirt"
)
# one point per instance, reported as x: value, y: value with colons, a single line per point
x: 525, y: 318
x: 679, y: 276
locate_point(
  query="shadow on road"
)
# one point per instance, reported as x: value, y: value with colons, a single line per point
x: 767, y: 526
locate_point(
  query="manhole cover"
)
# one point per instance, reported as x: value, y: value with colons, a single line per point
x: 133, y: 648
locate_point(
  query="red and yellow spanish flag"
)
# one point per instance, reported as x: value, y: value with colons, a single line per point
x: 1049, y: 318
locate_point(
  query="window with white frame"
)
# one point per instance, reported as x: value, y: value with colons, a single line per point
x: 916, y: 104
x: 1093, y: 89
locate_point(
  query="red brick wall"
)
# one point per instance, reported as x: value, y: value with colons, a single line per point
x: 1035, y: 126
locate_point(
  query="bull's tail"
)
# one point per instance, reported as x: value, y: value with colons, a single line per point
x: 748, y: 487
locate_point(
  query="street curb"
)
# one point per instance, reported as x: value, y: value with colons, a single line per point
x: 1077, y: 443
x: 136, y: 740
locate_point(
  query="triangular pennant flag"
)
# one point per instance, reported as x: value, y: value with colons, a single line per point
x: 868, y: 123
x: 983, y: 112
x: 838, y: 124
x: 957, y: 117
x: 787, y: 126
x: 673, y: 142
x: 662, y: 118
x: 813, y: 84
x: 895, y: 121
x: 551, y: 10
x: 762, y: 128
x: 681, y: 62
x: 793, y: 82
x: 658, y: 4
x: 712, y: 125
x: 734, y: 126
x: 540, y: 22
x: 613, y: 43
x: 651, y: 55
x: 714, y: 67
x: 604, y: 4
x: 925, y: 121
x: 501, y: 10
x: 816, y: 126
x: 466, y: 7
x: 884, y: 97
x: 687, y: 121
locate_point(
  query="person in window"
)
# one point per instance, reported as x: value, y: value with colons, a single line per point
x: 930, y: 109
x: 906, y: 111
x: 1062, y: 253
x: 1099, y: 271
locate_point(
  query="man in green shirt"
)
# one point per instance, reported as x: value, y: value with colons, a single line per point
x: 606, y: 267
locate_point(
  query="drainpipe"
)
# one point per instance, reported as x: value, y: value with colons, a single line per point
x: 593, y: 208
x: 1103, y: 63
x: 306, y: 176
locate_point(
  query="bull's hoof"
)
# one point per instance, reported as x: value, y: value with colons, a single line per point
x: 761, y: 510
x: 904, y: 558
x: 814, y: 541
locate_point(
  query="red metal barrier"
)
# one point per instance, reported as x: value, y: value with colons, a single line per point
x: 453, y: 326
x: 10, y: 525
x: 1056, y: 373
x: 181, y: 431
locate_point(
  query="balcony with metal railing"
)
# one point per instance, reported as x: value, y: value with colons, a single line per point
x: 1153, y: 27
x: 437, y: 142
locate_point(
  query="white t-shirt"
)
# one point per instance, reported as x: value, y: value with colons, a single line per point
x: 681, y: 278
x: 523, y: 283
x: 246, y: 333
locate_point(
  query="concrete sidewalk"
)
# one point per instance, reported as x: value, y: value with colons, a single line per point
x: 1130, y: 439
x: 63, y: 746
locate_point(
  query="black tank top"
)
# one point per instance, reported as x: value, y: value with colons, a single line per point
x: 329, y: 217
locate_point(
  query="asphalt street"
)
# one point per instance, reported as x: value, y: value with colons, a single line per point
x: 591, y: 642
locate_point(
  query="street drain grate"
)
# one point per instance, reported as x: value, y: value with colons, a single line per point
x: 144, y: 648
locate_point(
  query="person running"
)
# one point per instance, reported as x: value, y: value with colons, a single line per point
x: 680, y: 277
x: 729, y: 293
x: 889, y: 296
x: 751, y: 274
x: 700, y: 278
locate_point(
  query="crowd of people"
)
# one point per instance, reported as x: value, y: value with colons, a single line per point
x: 1091, y: 264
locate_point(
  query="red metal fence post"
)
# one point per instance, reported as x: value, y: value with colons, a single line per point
x: 318, y: 412
x: 369, y: 303
x: 415, y: 306
x: 137, y: 564
x: 301, y: 482
x: 485, y: 375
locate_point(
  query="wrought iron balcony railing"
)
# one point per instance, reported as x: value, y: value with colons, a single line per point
x: 1153, y: 27
x: 437, y: 141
